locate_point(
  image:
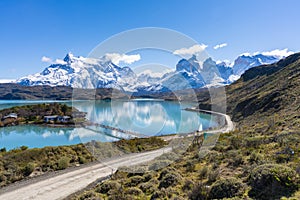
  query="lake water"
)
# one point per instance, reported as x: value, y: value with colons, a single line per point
x: 145, y: 116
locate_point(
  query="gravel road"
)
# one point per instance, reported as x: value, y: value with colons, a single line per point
x: 62, y: 185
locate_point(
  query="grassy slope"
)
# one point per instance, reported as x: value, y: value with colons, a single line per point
x: 22, y: 162
x: 259, y: 160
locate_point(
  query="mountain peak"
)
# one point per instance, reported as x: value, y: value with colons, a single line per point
x: 69, y: 57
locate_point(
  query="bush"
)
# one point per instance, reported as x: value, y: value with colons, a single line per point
x: 147, y: 188
x: 213, y: 176
x: 88, y: 195
x: 164, y: 172
x: 199, y: 192
x: 106, y: 186
x: 147, y: 177
x: 272, y: 181
x: 236, y: 161
x: 63, y: 163
x: 256, y: 158
x: 170, y: 179
x: 227, y: 188
x: 3, y: 179
x: 134, y: 181
x: 28, y: 169
x: 203, y: 172
x: 188, y: 185
x: 158, y: 195
x: 190, y: 166
x: 134, y: 191
x: 23, y: 148
x: 81, y: 160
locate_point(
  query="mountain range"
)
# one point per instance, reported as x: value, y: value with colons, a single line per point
x: 89, y: 73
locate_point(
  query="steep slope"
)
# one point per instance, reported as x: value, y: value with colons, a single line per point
x: 267, y: 89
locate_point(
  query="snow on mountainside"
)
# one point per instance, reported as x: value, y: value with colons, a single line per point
x: 80, y: 72
x: 244, y: 62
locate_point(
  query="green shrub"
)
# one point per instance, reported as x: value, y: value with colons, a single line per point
x: 203, y: 172
x: 134, y: 181
x: 190, y: 166
x: 227, y: 188
x: 81, y: 160
x: 272, y: 181
x: 147, y: 188
x: 89, y: 195
x: 213, y: 176
x: 164, y: 172
x: 199, y: 192
x: 133, y: 191
x: 147, y: 177
x: 236, y: 161
x: 63, y: 163
x: 256, y: 158
x: 3, y: 179
x: 106, y: 186
x: 158, y: 195
x: 170, y: 179
x: 188, y: 185
x: 28, y: 169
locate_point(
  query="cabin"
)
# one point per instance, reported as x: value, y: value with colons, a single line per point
x: 56, y: 118
x: 64, y: 119
x: 13, y: 116
x: 50, y: 118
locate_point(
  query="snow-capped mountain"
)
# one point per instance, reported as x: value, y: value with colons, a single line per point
x: 192, y: 73
x: 80, y: 72
x: 244, y: 62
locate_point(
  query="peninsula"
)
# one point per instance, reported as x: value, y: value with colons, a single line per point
x: 42, y: 114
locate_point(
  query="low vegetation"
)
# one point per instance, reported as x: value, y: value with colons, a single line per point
x: 23, y: 162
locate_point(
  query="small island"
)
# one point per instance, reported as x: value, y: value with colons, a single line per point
x: 50, y: 114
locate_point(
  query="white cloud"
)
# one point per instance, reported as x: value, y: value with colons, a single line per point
x: 218, y: 46
x: 198, y: 48
x: 279, y: 53
x: 59, y: 61
x: 46, y: 59
x: 127, y: 59
x: 50, y: 61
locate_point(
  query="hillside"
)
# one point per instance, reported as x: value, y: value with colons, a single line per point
x: 259, y: 160
x: 266, y: 90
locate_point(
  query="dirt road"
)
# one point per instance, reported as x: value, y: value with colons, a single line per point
x: 61, y: 186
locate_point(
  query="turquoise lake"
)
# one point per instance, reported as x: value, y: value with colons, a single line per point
x: 145, y: 116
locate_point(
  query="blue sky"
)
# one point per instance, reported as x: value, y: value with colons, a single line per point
x: 31, y: 29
